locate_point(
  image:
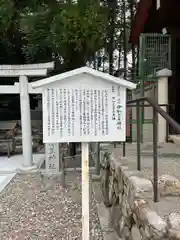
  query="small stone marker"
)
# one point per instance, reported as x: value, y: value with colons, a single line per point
x: 52, y: 157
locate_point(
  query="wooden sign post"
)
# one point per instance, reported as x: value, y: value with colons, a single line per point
x: 85, y: 190
x: 84, y: 105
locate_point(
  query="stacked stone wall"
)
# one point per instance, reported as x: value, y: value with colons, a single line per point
x: 134, y: 216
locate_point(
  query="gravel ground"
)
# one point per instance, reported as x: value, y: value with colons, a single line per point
x: 35, y: 207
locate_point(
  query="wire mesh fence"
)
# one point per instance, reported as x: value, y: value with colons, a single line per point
x: 154, y: 53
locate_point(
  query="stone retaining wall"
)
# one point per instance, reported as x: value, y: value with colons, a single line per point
x: 134, y: 216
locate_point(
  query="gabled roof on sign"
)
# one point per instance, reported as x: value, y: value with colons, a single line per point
x: 78, y: 71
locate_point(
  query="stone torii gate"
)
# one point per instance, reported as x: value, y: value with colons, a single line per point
x: 23, y: 88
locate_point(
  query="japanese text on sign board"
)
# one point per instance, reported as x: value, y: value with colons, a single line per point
x: 82, y: 112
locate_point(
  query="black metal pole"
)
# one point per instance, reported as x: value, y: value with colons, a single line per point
x: 138, y: 137
x: 124, y: 149
x: 167, y: 125
x: 72, y: 149
x: 155, y: 157
x: 62, y: 169
x: 97, y: 158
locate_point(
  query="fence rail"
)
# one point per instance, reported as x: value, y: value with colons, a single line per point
x: 148, y: 120
x: 170, y: 121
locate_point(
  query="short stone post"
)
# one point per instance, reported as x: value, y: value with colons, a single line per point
x: 162, y: 95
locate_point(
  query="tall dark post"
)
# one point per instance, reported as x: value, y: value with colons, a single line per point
x: 112, y: 4
x: 132, y: 4
x: 124, y: 37
x: 72, y: 149
x: 119, y: 57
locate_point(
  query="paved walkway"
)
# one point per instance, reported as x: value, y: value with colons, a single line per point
x: 168, y: 158
x: 9, y: 167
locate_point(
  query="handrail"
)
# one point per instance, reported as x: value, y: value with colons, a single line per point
x: 161, y: 111
x: 156, y: 110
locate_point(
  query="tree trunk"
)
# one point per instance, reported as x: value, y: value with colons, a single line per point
x: 112, y: 18
x: 125, y: 37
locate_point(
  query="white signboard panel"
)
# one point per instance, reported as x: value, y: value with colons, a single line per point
x: 84, y: 111
x: 52, y: 157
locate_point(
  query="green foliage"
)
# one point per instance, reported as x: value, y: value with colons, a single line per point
x: 35, y: 28
x: 85, y: 30
x: 41, y: 29
x: 64, y: 28
x: 6, y: 14
x: 69, y: 32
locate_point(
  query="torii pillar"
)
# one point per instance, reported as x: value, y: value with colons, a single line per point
x: 23, y: 72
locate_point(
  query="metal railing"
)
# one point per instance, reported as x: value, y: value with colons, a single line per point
x: 170, y: 121
x: 148, y: 120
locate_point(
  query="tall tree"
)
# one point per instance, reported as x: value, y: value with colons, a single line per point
x: 112, y: 5
x: 68, y: 32
x: 72, y: 32
x: 39, y: 30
